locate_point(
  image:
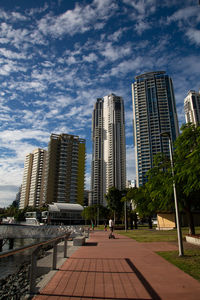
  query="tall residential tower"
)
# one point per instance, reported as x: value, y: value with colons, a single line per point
x: 154, y: 112
x: 192, y: 107
x: 109, y: 152
x: 65, y: 169
x: 33, y: 179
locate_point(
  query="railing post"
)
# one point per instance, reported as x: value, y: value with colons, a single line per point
x: 54, y: 256
x: 1, y: 245
x: 11, y: 243
x: 65, y: 247
x: 33, y: 270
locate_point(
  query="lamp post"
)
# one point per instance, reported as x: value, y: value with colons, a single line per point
x: 98, y: 215
x: 125, y: 216
x: 180, y: 241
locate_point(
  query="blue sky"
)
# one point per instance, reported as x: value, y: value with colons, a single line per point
x: 57, y: 57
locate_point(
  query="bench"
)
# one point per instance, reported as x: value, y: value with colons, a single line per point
x: 79, y: 241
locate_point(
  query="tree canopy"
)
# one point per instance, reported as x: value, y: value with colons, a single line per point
x: 186, y: 160
x: 114, y: 203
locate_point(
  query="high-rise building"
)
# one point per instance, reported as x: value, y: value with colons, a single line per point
x: 192, y: 107
x: 33, y: 179
x: 109, y: 149
x: 154, y: 112
x: 65, y: 169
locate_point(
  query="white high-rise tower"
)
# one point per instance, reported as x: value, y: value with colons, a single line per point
x: 33, y: 179
x: 109, y: 152
x: 192, y: 107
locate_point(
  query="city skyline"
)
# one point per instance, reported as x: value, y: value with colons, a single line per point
x: 58, y: 57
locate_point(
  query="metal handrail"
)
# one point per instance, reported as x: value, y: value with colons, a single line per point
x: 11, y: 252
x: 38, y: 246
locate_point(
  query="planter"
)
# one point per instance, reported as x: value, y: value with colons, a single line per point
x: 193, y: 239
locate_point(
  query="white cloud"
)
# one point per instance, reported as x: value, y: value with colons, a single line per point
x: 10, y: 137
x: 141, y: 26
x: 11, y: 171
x: 90, y: 58
x: 126, y: 66
x: 78, y: 20
x: 142, y: 6
x: 184, y: 14
x: 142, y: 9
x: 13, y: 16
x: 37, y: 10
x: 11, y: 54
x: 193, y: 35
x: 113, y: 53
x: 115, y: 36
x: 7, y: 193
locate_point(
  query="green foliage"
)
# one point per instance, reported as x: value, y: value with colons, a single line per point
x: 20, y: 215
x: 187, y: 161
x: 114, y: 203
x: 187, y: 173
x: 160, y: 185
x: 90, y: 213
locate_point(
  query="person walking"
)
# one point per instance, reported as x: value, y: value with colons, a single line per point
x: 105, y: 226
x: 111, y: 227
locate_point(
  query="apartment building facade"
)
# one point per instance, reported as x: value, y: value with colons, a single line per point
x: 109, y: 150
x: 154, y: 112
x: 192, y: 107
x: 33, y: 179
x: 65, y: 169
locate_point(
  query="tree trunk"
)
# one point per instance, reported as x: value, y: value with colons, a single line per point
x: 150, y: 222
x: 135, y: 221
x: 190, y: 222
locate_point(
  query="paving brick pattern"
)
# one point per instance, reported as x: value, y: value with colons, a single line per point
x: 120, y: 268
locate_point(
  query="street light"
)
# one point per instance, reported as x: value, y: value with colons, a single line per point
x: 180, y: 242
x: 125, y: 216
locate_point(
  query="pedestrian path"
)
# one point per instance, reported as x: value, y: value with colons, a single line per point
x: 120, y: 269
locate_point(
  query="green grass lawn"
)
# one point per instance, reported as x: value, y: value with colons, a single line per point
x: 153, y: 235
x: 189, y: 263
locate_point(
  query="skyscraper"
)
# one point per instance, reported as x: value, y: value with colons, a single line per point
x: 33, y: 179
x: 65, y: 169
x: 154, y: 112
x: 192, y: 107
x: 109, y: 152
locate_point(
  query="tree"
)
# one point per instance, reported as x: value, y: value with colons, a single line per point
x: 90, y: 213
x: 160, y: 184
x: 144, y: 205
x: 114, y: 203
x: 130, y: 196
x: 187, y: 170
x: 187, y: 173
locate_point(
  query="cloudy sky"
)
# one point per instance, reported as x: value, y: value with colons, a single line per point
x: 58, y: 56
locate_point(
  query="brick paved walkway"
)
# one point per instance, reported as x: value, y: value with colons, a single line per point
x: 120, y: 268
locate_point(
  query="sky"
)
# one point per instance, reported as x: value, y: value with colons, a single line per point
x: 58, y: 56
